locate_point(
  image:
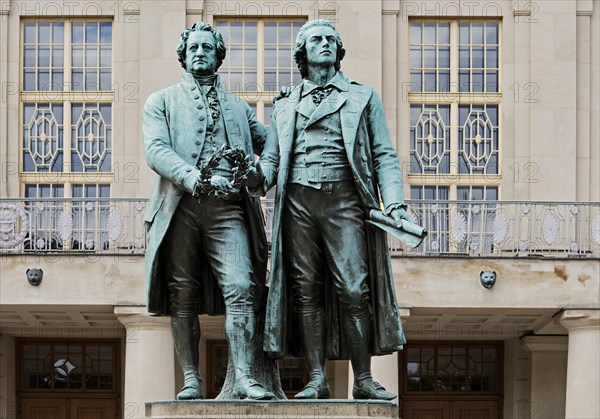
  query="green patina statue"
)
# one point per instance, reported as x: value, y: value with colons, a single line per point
x: 330, y: 155
x: 207, y: 246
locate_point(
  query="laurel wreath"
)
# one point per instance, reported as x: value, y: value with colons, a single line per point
x: 237, y: 157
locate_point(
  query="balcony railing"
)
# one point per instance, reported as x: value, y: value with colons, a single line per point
x: 77, y: 225
x: 456, y: 228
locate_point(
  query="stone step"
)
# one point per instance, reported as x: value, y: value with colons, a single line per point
x: 275, y: 409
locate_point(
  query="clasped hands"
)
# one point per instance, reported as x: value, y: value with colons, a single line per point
x: 224, y: 188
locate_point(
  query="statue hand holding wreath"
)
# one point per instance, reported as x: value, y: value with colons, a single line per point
x: 246, y: 172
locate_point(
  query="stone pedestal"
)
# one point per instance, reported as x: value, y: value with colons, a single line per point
x: 276, y: 409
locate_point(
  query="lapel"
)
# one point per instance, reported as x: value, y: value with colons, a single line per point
x: 286, y: 120
x: 329, y: 105
x: 358, y: 96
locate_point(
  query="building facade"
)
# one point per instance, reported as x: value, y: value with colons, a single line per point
x: 494, y: 108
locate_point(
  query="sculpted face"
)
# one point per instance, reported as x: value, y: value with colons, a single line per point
x: 201, y: 53
x: 321, y: 48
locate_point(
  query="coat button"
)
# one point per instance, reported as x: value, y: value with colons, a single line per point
x: 326, y: 129
x: 368, y: 174
x: 193, y: 87
x: 194, y: 155
x: 199, y: 106
x: 200, y: 130
x: 364, y: 158
x: 196, y: 97
x: 198, y: 143
x: 361, y: 142
x: 324, y: 176
x: 188, y: 169
x: 201, y: 117
x: 178, y: 192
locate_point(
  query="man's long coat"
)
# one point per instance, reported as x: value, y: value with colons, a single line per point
x: 377, y: 174
x: 174, y: 130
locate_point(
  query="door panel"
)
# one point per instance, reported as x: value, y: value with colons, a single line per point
x: 63, y: 408
x: 93, y: 409
x: 44, y: 408
x: 426, y: 410
x: 474, y: 410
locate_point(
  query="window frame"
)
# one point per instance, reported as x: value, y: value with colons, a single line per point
x: 67, y: 97
x: 406, y: 394
x: 454, y: 98
x: 261, y: 98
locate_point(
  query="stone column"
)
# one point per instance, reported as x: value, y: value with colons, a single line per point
x: 548, y: 375
x: 583, y: 380
x: 149, y: 360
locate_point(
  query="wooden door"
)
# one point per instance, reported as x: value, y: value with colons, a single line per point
x: 93, y: 409
x: 426, y: 410
x: 65, y: 408
x: 475, y: 410
x: 44, y: 408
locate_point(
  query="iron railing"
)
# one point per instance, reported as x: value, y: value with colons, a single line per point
x: 79, y: 225
x: 456, y: 228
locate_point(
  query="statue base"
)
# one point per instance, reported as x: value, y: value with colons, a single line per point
x: 273, y: 409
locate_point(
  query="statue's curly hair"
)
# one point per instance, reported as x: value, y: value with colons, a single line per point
x: 201, y: 26
x: 300, y: 49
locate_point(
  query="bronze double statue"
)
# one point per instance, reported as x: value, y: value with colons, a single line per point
x: 339, y: 190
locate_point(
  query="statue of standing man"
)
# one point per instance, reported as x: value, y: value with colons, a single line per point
x: 330, y: 155
x: 207, y: 247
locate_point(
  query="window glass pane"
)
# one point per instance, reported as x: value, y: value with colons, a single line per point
x: 477, y: 57
x: 415, y: 81
x: 105, y: 56
x: 491, y: 57
x: 44, y: 56
x: 270, y: 56
x: 91, y: 32
x: 58, y: 30
x: 430, y: 85
x: 250, y: 57
x: 30, y: 32
x: 235, y: 57
x: 443, y: 33
x: 29, y: 80
x: 105, y: 32
x: 105, y: 80
x: 77, y: 32
x: 57, y: 57
x: 57, y: 80
x: 444, y: 81
x: 415, y: 57
x: 270, y: 32
x: 463, y: 57
x: 236, y: 34
x: 44, y: 32
x: 477, y: 81
x: 429, y: 57
x: 43, y: 80
x: 77, y: 56
x: 77, y: 80
x: 91, y: 57
x: 463, y: 33
x: 415, y: 33
x: 250, y: 32
x: 429, y: 33
x: 444, y: 57
x: 29, y: 57
x: 491, y: 33
x: 477, y: 33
